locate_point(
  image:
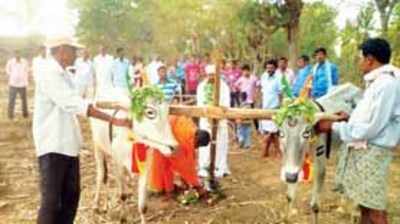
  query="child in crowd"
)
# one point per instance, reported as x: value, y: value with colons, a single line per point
x: 247, y: 83
x: 244, y: 126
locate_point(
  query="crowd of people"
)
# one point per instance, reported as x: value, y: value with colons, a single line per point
x: 57, y: 103
x: 183, y: 77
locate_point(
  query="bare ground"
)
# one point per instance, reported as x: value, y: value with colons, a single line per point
x: 254, y: 193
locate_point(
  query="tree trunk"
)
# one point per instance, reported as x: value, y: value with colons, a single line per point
x: 294, y: 8
x: 293, y: 42
x: 385, y: 9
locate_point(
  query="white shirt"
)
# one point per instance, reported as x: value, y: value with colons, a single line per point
x: 57, y: 102
x: 152, y: 71
x: 103, y: 67
x: 38, y: 64
x: 224, y: 98
x: 288, y: 73
x: 376, y: 118
x: 84, y: 77
x: 17, y: 72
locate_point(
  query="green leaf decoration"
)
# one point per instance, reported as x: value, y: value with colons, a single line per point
x: 140, y: 96
x: 128, y: 81
x: 209, y: 89
x: 293, y: 108
x: 286, y: 89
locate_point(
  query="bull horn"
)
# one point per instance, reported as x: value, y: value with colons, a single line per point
x: 326, y: 116
x: 109, y: 105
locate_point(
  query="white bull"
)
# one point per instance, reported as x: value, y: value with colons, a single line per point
x: 153, y: 130
x: 296, y: 140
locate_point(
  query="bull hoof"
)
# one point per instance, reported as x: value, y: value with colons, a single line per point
x: 97, y: 210
x: 124, y: 197
x: 123, y: 221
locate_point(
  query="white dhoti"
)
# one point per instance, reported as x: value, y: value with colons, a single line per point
x: 222, y: 148
x: 268, y: 126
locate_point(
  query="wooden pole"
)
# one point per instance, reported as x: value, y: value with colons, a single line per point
x: 214, y: 122
x: 218, y: 113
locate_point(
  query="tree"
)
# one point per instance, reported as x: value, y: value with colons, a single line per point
x: 291, y: 11
x: 394, y: 35
x: 318, y: 28
x: 351, y: 37
x: 385, y: 9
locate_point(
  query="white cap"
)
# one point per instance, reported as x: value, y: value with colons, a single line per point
x: 211, y: 69
x: 161, y: 65
x: 52, y: 42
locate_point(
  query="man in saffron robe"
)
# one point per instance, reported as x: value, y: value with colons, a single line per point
x: 182, y: 163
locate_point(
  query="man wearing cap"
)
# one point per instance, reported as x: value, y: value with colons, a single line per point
x: 204, y: 98
x: 57, y: 135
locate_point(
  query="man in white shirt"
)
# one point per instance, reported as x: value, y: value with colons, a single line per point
x: 283, y: 70
x: 84, y: 75
x: 371, y: 134
x: 102, y: 65
x: 152, y: 70
x: 57, y: 135
x: 204, y: 98
x: 18, y: 77
x: 39, y: 62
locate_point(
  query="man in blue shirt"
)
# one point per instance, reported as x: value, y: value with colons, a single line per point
x: 168, y: 86
x: 325, y: 74
x: 371, y: 134
x: 120, y: 70
x: 304, y: 72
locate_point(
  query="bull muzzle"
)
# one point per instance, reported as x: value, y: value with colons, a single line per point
x: 291, y: 178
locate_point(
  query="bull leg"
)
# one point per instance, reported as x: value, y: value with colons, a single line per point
x: 120, y: 179
x: 100, y: 175
x: 291, y: 197
x: 319, y: 175
x: 142, y: 187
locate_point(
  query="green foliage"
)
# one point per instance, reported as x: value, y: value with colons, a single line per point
x: 318, y: 28
x: 294, y: 108
x: 394, y: 35
x: 189, y: 197
x: 286, y: 89
x: 351, y: 37
x: 139, y: 98
x: 209, y: 90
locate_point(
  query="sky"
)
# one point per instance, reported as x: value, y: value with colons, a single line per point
x: 55, y: 18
